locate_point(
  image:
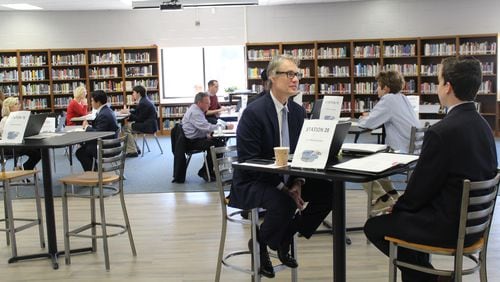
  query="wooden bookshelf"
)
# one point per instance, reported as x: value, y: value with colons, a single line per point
x: 258, y: 57
x: 348, y: 68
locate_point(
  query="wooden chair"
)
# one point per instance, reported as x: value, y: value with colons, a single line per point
x: 224, y: 177
x: 12, y: 179
x: 476, y: 213
x: 106, y: 182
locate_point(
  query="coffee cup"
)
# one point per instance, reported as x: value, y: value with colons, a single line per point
x: 281, y: 156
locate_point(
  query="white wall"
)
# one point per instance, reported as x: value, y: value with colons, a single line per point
x: 237, y: 25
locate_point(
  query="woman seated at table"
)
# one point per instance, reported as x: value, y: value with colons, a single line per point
x: 11, y: 104
x: 78, y: 105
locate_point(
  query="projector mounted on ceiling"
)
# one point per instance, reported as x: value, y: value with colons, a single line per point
x: 179, y: 4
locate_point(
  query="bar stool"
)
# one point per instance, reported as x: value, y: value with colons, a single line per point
x: 106, y: 182
x: 12, y: 179
x: 223, y: 176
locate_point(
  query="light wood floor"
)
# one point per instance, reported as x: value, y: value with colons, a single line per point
x: 177, y: 237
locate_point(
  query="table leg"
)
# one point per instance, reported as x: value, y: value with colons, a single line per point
x: 339, y: 237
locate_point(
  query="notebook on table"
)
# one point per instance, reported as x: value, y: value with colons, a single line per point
x: 374, y: 164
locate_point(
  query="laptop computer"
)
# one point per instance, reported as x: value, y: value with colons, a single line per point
x: 339, y: 136
x: 35, y: 123
x: 316, y: 110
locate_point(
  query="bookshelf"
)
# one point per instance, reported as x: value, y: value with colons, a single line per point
x: 258, y: 57
x: 44, y: 79
x: 348, y: 68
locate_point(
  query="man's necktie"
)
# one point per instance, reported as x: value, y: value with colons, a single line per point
x: 285, y: 138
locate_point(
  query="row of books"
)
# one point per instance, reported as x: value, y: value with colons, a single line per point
x: 105, y: 58
x: 11, y: 75
x: 336, y: 88
x: 65, y: 88
x: 36, y: 74
x: 8, y: 61
x: 362, y: 70
x: 257, y: 88
x: 254, y: 73
x: 141, y: 57
x: 139, y: 71
x: 35, y: 89
x: 335, y: 71
x: 174, y: 111
x: 262, y: 54
x: 66, y: 74
x: 104, y: 72
x: 488, y: 67
x: 308, y: 54
x: 149, y: 84
x: 400, y: 50
x: 306, y: 88
x: 478, y: 48
x: 108, y: 86
x: 36, y: 104
x: 154, y: 97
x: 305, y: 72
x: 363, y: 105
x: 430, y: 70
x: 439, y: 49
x: 332, y: 53
x: 68, y: 60
x: 169, y: 123
x: 10, y: 90
x: 61, y: 102
x: 369, y: 51
x: 404, y: 69
x: 33, y: 60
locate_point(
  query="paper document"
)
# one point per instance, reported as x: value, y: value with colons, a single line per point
x: 376, y: 163
x: 314, y: 143
x: 331, y: 107
x: 363, y: 148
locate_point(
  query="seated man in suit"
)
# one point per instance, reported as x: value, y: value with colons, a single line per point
x: 461, y: 146
x: 143, y: 118
x: 271, y: 121
x: 198, y: 131
x: 105, y: 120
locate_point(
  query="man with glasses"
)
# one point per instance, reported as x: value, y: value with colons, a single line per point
x: 271, y: 121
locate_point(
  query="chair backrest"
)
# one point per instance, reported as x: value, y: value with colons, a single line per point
x: 223, y: 170
x: 111, y: 154
x: 477, y: 207
x: 416, y: 139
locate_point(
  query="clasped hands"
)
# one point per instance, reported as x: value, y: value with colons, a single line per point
x: 295, y: 192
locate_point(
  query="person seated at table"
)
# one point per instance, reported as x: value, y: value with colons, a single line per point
x: 11, y: 104
x: 142, y: 119
x: 396, y: 114
x: 198, y: 131
x: 271, y: 121
x: 215, y: 109
x: 460, y: 146
x: 77, y: 107
x: 105, y: 120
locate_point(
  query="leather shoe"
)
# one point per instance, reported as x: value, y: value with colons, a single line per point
x: 203, y: 175
x: 266, y: 267
x: 285, y: 257
x: 132, y: 155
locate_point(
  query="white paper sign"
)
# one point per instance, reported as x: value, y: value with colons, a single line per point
x: 331, y: 107
x: 414, y: 102
x: 314, y: 144
x: 13, y: 131
x: 49, y: 125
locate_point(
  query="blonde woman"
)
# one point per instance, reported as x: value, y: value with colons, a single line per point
x: 78, y: 105
x: 11, y: 104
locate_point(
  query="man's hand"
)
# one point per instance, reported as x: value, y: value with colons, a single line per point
x: 85, y: 124
x: 295, y: 192
x: 230, y: 126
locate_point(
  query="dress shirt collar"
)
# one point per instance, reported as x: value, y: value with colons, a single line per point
x: 452, y: 107
x: 99, y: 109
x: 278, y: 104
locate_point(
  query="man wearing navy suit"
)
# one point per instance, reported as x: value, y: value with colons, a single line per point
x: 272, y: 121
x: 143, y: 118
x: 105, y: 120
x: 461, y: 146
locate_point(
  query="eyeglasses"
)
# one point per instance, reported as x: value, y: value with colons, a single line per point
x: 290, y: 74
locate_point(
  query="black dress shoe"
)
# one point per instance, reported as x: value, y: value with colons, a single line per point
x: 203, y: 175
x: 285, y: 257
x: 266, y: 267
x: 132, y: 155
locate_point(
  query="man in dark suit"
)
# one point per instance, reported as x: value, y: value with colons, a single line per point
x: 105, y: 120
x: 143, y: 118
x: 271, y: 121
x: 461, y: 146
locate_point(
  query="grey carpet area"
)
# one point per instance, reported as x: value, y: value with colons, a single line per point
x: 153, y: 172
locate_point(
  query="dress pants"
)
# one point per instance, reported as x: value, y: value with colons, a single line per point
x: 204, y: 144
x: 86, y: 154
x: 281, y: 222
x: 393, y: 225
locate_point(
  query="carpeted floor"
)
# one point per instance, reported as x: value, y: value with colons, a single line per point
x: 153, y: 172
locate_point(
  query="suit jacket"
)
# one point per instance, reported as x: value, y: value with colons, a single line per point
x: 144, y: 116
x: 257, y: 135
x: 461, y: 146
x: 105, y: 120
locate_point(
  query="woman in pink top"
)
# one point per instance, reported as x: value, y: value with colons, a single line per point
x: 78, y: 105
